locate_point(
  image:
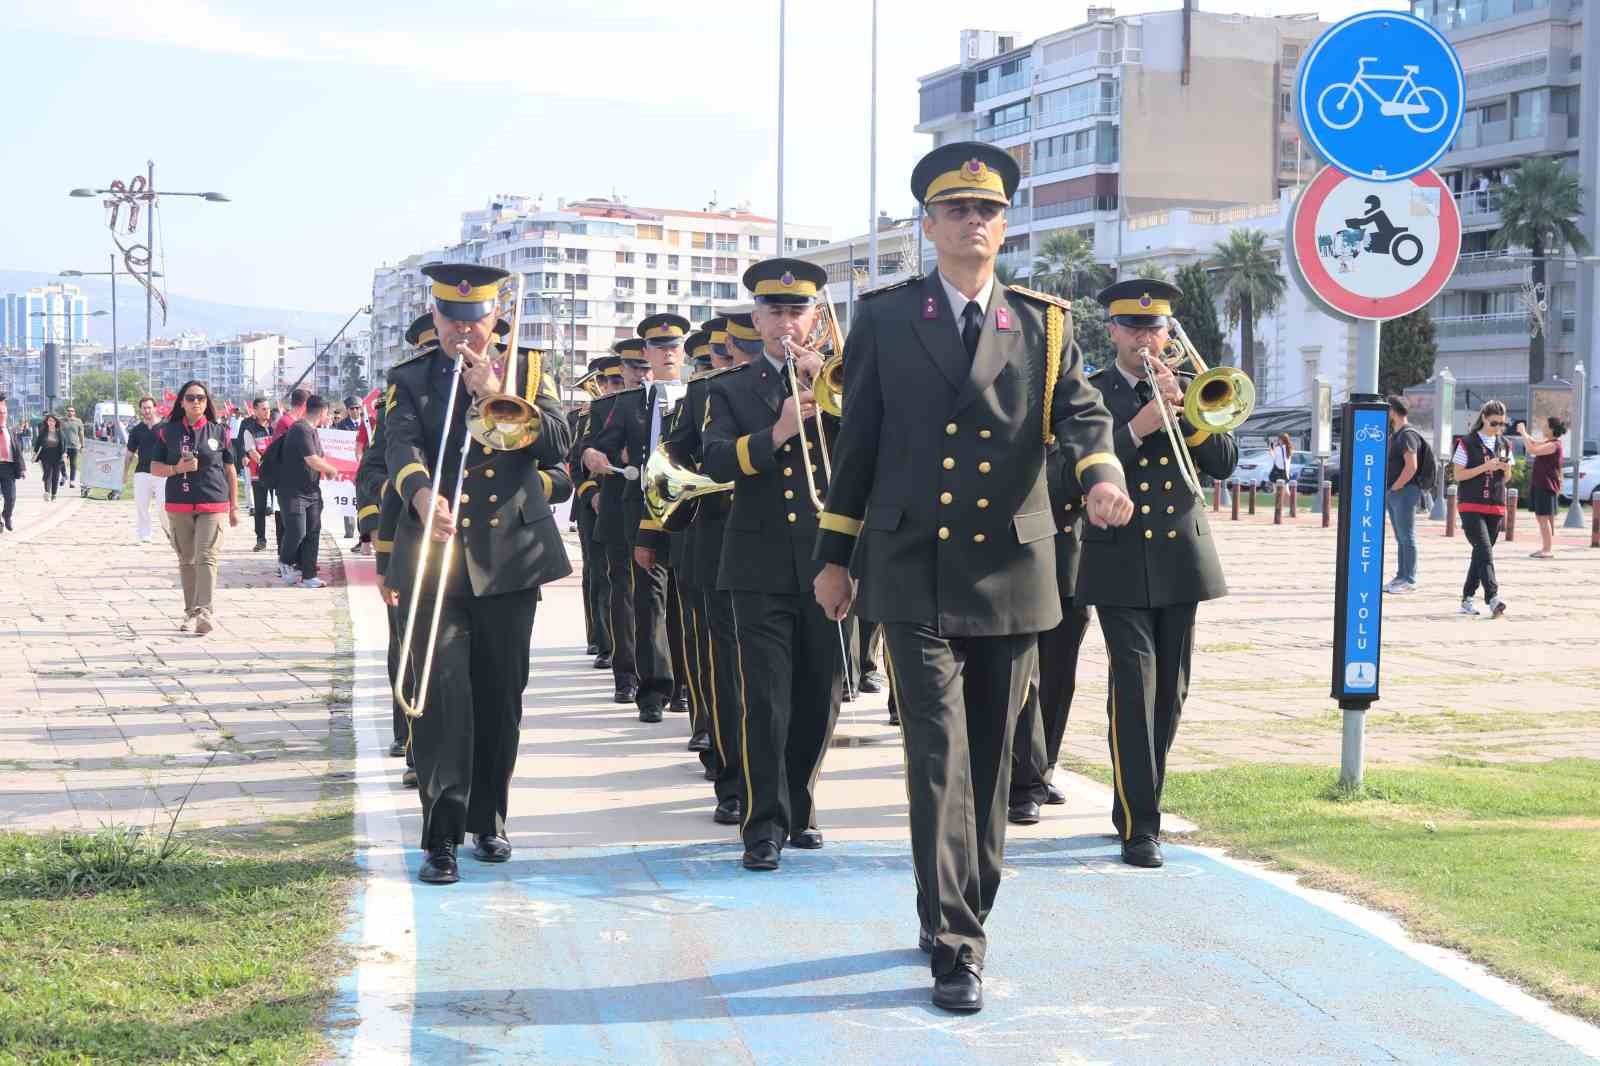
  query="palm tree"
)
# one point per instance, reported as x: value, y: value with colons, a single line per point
x: 1004, y: 274
x: 1251, y: 287
x: 1150, y: 270
x: 1066, y: 265
x: 1536, y: 212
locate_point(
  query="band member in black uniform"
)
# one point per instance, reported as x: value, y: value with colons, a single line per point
x: 789, y: 658
x: 716, y: 647
x: 609, y: 529
x: 1036, y: 745
x: 1146, y: 581
x: 603, y: 379
x: 627, y: 436
x: 954, y: 385
x: 507, y: 546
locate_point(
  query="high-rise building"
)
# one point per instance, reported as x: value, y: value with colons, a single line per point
x: 56, y: 312
x: 593, y: 268
x: 1523, y: 67
x: 1123, y: 115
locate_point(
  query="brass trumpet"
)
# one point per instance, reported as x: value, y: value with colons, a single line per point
x: 669, y: 484
x: 504, y: 420
x: 1218, y: 400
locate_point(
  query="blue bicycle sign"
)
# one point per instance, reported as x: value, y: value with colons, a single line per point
x: 1380, y: 95
x: 1421, y: 106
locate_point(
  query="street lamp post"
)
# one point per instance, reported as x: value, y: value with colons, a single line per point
x: 68, y: 316
x: 116, y: 365
x: 151, y: 198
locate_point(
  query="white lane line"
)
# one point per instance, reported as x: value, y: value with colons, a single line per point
x: 386, y: 956
x: 1450, y: 964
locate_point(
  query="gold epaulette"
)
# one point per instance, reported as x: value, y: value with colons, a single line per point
x: 1042, y: 297
x: 881, y: 289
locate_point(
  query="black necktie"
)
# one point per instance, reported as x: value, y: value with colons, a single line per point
x: 971, y: 326
x: 1144, y: 392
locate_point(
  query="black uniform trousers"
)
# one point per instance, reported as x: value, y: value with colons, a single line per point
x: 1037, y: 743
x: 8, y: 491
x: 465, y: 743
x: 1148, y: 649
x: 620, y: 574
x: 694, y: 673
x: 791, y: 677
x: 397, y: 628
x: 261, y: 497
x: 959, y: 698
x: 596, y: 582
x: 652, y: 642
x: 679, y: 636
x: 719, y: 688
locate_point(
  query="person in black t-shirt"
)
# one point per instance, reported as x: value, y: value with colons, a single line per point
x: 300, y: 496
x: 147, y: 487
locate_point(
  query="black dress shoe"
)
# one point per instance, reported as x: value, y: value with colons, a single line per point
x: 602, y: 661
x: 1142, y: 851
x: 728, y: 812
x: 592, y: 649
x: 439, y: 868
x: 650, y: 714
x: 409, y: 778
x: 1054, y: 796
x: 1024, y: 813
x: 961, y: 989
x: 711, y: 773
x: 679, y: 706
x: 872, y: 681
x: 809, y: 839
x: 925, y: 941
x: 701, y: 741
x: 625, y: 694
x: 680, y: 699
x: 762, y: 855
x: 490, y: 847
x: 847, y: 696
x: 397, y: 749
x: 894, y: 713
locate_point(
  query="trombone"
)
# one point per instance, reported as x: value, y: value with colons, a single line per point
x: 1218, y: 400
x: 500, y: 418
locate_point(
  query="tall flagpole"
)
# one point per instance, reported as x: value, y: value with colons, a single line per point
x: 781, y: 20
x: 872, y: 167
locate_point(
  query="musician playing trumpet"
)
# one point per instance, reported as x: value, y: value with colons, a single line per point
x: 1145, y: 580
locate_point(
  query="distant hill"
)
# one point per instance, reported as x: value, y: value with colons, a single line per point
x: 183, y: 312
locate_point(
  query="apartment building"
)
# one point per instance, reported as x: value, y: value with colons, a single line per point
x: 1523, y: 68
x: 1123, y: 115
x: 56, y: 312
x: 593, y: 268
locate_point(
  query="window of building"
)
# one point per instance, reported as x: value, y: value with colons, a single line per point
x: 1286, y: 103
x: 672, y: 262
x: 699, y: 312
x: 675, y: 238
x: 725, y: 265
x: 577, y: 281
x: 649, y: 309
x: 625, y: 283
x: 623, y: 308
x: 700, y: 240
x: 701, y: 264
x: 624, y: 257
x: 650, y: 286
x: 755, y: 243
x: 649, y: 233
x: 651, y: 260
x: 621, y: 333
x: 727, y: 242
x: 552, y: 281
x: 672, y: 286
x: 580, y: 332
x: 725, y: 290
x: 577, y: 255
x: 579, y: 307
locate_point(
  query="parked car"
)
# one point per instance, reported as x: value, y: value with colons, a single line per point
x: 1253, y: 469
x: 1588, y: 481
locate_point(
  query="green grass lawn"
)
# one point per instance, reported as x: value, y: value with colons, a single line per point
x: 225, y: 953
x: 1501, y: 861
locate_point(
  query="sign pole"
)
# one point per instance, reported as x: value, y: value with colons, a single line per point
x: 1369, y: 338
x: 1358, y: 575
x: 1579, y: 432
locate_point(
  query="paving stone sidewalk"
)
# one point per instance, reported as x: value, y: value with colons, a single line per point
x: 108, y: 712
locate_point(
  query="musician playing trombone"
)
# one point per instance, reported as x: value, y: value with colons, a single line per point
x: 506, y: 545
x: 1146, y: 580
x: 766, y: 437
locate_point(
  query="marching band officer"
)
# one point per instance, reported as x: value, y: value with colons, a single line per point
x: 954, y: 386
x: 575, y: 419
x: 788, y: 655
x: 603, y: 379
x: 716, y: 640
x: 507, y: 546
x: 1145, y: 581
x: 630, y: 430
x: 609, y: 533
x: 1037, y: 743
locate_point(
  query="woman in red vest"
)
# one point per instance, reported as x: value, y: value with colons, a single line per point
x: 1482, y: 462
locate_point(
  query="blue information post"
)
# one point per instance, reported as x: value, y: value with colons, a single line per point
x: 1358, y: 596
x: 1380, y: 95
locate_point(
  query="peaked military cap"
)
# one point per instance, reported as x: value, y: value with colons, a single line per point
x: 665, y: 328
x: 1139, y: 301
x: 785, y: 281
x: 631, y: 352
x: 965, y: 170
x: 742, y: 326
x: 465, y: 292
x: 421, y: 333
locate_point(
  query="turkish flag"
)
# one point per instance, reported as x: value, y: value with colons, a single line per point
x: 369, y: 404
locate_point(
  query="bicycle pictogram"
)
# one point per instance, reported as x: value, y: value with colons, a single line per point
x: 1422, y: 107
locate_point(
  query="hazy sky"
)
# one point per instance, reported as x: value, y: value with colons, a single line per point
x: 352, y: 134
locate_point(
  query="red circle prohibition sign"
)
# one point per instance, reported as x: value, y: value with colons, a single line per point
x: 1379, y: 308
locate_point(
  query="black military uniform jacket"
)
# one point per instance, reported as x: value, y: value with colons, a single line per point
x: 1066, y: 504
x: 507, y: 537
x: 772, y: 523
x: 701, y: 554
x: 627, y: 432
x: 1165, y: 555
x: 940, y: 469
x: 373, y: 491
x: 608, y: 521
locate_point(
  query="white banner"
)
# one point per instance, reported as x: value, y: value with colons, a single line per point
x: 339, y: 495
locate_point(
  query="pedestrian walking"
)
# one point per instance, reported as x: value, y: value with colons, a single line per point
x: 1282, y: 452
x: 201, y: 490
x: 48, y: 452
x: 1482, y: 461
x: 13, y: 464
x: 71, y: 443
x: 255, y: 434
x: 1410, y: 469
x: 299, y: 495
x: 344, y: 418
x: 147, y: 488
x: 1545, y: 481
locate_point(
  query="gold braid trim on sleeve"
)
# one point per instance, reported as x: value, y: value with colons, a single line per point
x: 530, y: 387
x: 1054, y: 323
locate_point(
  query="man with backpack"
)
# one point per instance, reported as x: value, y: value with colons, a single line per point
x: 1411, y: 471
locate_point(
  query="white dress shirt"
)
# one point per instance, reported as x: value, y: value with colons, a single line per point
x: 958, y: 300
